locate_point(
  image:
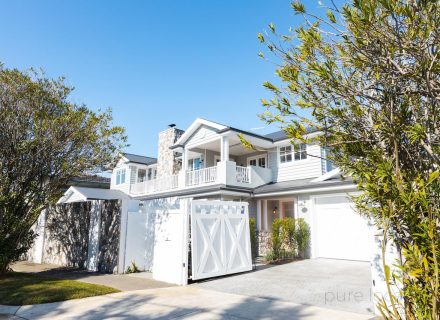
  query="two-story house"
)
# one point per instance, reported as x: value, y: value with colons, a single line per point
x: 277, y: 179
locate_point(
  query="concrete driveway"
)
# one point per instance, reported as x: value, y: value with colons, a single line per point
x: 336, y: 284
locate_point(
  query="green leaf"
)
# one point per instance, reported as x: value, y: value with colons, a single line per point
x: 331, y: 16
x: 298, y: 7
x: 272, y: 27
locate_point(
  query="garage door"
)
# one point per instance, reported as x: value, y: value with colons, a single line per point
x: 339, y: 232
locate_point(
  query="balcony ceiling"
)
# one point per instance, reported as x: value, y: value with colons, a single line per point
x: 235, y: 147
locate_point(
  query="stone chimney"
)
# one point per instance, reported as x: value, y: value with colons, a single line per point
x: 166, y: 160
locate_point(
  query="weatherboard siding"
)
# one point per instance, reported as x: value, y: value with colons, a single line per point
x: 203, y: 134
x: 302, y: 169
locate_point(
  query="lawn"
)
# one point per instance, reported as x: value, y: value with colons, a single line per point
x: 23, y: 288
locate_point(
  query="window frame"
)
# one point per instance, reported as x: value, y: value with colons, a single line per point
x: 293, y: 154
x: 120, y: 173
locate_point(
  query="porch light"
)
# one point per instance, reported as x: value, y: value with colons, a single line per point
x: 274, y: 211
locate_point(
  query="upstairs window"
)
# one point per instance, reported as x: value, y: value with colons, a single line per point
x: 286, y: 154
x: 142, y: 175
x: 120, y: 176
x: 301, y: 152
x: 289, y: 153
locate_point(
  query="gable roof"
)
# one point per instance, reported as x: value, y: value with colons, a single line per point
x: 139, y: 159
x: 80, y: 194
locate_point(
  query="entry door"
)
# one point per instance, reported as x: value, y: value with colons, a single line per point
x: 260, y: 161
x: 220, y: 238
x: 340, y: 232
x: 169, y: 246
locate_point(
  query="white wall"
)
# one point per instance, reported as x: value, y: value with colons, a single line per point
x: 94, y: 232
x: 204, y: 133
x: 140, y: 240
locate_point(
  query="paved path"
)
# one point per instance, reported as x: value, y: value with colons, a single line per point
x: 130, y: 282
x: 178, y: 303
x: 339, y: 284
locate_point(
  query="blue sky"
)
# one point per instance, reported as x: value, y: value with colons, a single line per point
x: 152, y: 62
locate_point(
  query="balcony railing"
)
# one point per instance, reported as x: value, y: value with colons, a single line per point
x: 201, y: 176
x: 243, y: 174
x: 156, y: 185
x: 227, y: 173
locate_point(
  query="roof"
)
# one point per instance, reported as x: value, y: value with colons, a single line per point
x: 282, y: 135
x: 301, y: 184
x: 277, y: 135
x: 139, y: 159
x: 80, y: 194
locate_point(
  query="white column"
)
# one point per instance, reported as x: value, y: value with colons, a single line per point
x: 185, y: 160
x: 259, y: 215
x: 225, y: 148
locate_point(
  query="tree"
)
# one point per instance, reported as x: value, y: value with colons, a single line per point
x: 367, y: 75
x: 45, y: 140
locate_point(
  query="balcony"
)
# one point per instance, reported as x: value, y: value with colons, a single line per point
x: 225, y: 172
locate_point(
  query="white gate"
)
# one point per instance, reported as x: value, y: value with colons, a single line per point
x: 220, y: 238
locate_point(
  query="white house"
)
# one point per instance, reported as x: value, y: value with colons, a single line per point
x: 206, y: 164
x: 208, y: 161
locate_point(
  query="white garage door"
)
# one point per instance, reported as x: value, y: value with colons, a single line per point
x: 340, y: 232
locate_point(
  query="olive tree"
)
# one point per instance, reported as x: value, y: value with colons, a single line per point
x: 367, y: 75
x: 45, y: 140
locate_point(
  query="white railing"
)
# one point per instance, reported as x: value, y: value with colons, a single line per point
x: 243, y: 174
x: 156, y: 185
x: 201, y: 176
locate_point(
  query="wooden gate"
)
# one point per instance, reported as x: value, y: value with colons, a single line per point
x: 220, y: 238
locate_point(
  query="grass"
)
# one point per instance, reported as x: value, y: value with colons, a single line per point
x: 18, y: 289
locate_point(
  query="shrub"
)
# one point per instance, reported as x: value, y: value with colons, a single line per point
x: 254, y: 238
x: 283, y: 243
x: 302, y: 236
x: 133, y: 268
x: 290, y: 238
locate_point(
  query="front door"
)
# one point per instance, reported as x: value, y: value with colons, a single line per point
x: 258, y: 161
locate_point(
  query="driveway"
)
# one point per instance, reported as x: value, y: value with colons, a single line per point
x: 335, y: 284
x: 187, y: 302
x: 123, y: 282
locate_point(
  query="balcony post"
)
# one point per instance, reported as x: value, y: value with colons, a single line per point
x: 224, y: 152
x: 182, y: 173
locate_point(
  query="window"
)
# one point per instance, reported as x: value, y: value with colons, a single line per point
x: 142, y: 175
x: 150, y: 173
x: 286, y: 154
x: 195, y: 164
x: 262, y: 162
x: 120, y: 176
x: 301, y: 152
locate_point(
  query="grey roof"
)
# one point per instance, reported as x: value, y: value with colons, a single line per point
x: 299, y: 184
x: 282, y: 135
x: 277, y: 135
x: 139, y: 159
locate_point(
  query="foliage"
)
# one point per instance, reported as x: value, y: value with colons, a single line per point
x: 302, y: 236
x: 289, y: 238
x: 254, y: 237
x: 366, y: 76
x: 21, y: 289
x: 133, y: 268
x: 45, y: 141
x: 280, y: 240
